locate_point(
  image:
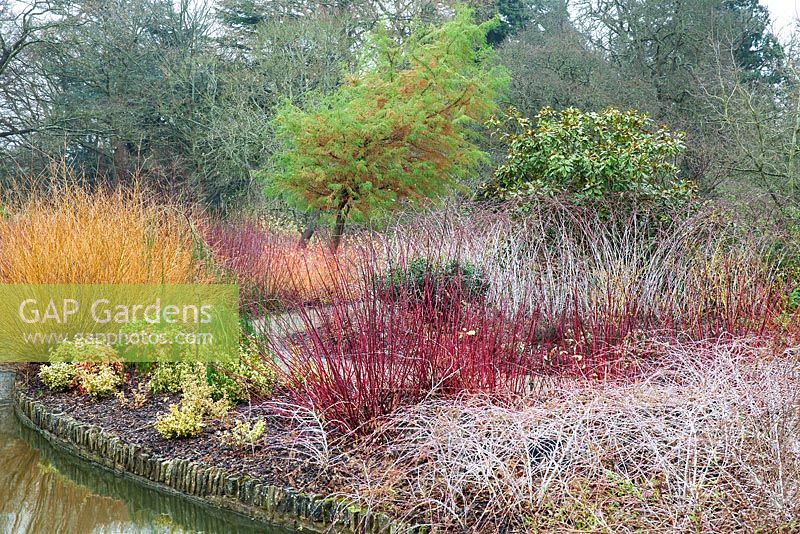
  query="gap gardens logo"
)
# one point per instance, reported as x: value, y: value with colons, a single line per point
x: 146, y: 322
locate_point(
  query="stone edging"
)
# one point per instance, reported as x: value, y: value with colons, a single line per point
x: 209, y: 485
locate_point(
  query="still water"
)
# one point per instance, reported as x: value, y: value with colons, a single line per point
x: 45, y: 491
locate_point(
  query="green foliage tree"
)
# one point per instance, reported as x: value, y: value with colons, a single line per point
x: 400, y: 129
x: 121, y: 87
x: 127, y: 84
x: 756, y: 51
x: 589, y: 157
x: 25, y: 26
x: 512, y: 16
x: 669, y: 41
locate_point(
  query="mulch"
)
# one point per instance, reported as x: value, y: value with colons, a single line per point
x: 273, y: 461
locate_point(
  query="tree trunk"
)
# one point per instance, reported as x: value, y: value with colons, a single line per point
x: 338, y: 230
x: 120, y: 161
x: 341, y: 219
x: 311, y: 227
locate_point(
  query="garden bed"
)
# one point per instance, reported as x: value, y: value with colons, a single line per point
x: 589, y: 456
x: 246, y: 481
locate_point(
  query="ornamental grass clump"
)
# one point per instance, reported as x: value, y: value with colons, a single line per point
x: 704, y: 440
x: 699, y: 273
x: 73, y: 235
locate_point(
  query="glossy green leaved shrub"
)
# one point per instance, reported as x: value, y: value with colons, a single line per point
x: 588, y: 157
x: 59, y: 376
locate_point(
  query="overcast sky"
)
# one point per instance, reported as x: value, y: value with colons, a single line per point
x: 784, y: 13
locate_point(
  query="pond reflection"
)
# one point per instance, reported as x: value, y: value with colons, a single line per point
x: 44, y: 490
